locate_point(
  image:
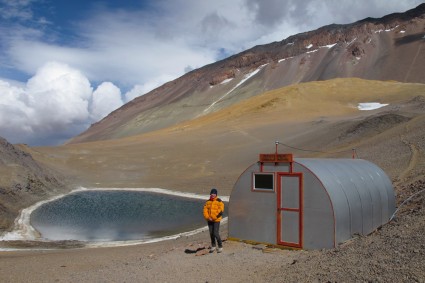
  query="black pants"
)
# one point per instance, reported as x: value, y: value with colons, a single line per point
x: 214, y: 228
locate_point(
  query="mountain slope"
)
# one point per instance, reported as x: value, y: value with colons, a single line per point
x: 23, y: 181
x: 213, y: 150
x: 389, y: 48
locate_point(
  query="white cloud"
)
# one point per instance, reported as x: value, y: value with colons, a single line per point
x: 136, y: 91
x: 58, y: 94
x: 13, y: 109
x: 139, y: 90
x: 347, y: 11
x: 54, y: 105
x: 106, y: 98
x: 16, y: 9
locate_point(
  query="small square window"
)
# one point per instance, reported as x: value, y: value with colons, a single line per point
x: 263, y: 181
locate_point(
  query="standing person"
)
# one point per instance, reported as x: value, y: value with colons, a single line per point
x: 213, y: 213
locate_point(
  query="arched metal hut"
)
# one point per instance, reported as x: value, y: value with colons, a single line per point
x: 309, y: 203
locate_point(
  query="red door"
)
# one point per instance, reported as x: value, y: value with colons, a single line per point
x: 289, y: 209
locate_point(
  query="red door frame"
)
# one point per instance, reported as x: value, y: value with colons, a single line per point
x: 299, y: 209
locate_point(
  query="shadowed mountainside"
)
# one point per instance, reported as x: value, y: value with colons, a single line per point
x: 23, y: 181
x: 389, y: 48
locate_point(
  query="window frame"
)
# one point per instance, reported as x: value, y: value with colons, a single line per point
x: 267, y: 190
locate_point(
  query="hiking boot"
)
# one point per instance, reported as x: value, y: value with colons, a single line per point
x: 219, y: 250
x: 212, y: 249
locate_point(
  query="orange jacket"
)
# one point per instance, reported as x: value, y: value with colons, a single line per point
x: 214, y: 209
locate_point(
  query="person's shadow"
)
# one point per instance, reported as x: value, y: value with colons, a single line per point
x: 190, y: 251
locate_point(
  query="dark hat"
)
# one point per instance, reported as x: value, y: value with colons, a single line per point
x: 213, y: 191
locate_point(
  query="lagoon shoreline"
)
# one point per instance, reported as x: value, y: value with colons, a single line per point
x: 25, y: 236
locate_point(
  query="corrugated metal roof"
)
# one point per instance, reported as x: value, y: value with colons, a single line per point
x: 361, y: 193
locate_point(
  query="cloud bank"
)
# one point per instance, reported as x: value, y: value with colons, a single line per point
x: 55, y: 104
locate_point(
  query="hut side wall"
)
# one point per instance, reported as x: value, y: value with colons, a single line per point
x: 252, y: 214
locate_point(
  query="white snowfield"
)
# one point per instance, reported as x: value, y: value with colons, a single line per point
x: 245, y: 78
x: 370, y: 106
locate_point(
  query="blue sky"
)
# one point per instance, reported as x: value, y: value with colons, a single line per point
x: 65, y: 64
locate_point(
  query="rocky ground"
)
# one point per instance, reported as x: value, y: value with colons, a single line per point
x: 393, y: 253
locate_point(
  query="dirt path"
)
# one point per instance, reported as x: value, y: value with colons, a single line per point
x: 414, y: 157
